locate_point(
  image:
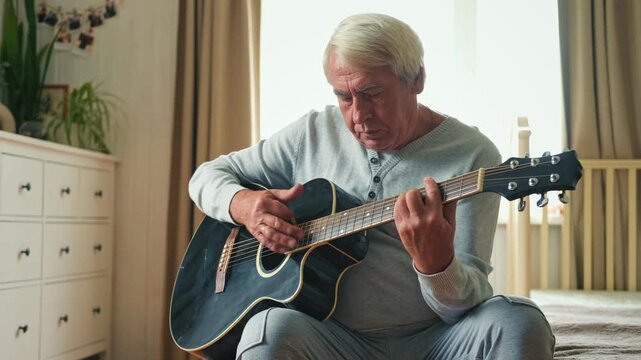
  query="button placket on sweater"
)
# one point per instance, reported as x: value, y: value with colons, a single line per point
x: 375, y: 185
x: 379, y: 169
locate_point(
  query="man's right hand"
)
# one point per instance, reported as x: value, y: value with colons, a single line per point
x: 266, y: 217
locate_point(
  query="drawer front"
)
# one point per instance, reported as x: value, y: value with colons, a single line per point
x: 96, y: 193
x: 62, y: 190
x: 74, y: 314
x: 20, y: 186
x: 20, y: 251
x: 100, y: 250
x: 71, y: 249
x: 20, y: 323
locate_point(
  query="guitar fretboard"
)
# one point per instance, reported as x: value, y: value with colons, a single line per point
x: 379, y: 212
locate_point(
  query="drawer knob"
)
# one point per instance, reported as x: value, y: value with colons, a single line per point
x: 97, y: 247
x: 65, y: 249
x: 65, y: 190
x: 98, y: 193
x: 64, y: 318
x: 25, y: 252
x: 96, y: 310
x: 23, y: 329
x: 26, y: 186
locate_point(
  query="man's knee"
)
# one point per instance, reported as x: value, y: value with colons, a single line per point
x: 522, y: 326
x: 271, y: 333
x: 514, y: 313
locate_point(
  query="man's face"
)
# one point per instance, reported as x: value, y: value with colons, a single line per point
x: 378, y: 109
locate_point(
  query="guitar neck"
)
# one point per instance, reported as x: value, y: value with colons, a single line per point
x: 379, y: 212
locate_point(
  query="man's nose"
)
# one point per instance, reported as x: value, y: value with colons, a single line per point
x: 360, y: 110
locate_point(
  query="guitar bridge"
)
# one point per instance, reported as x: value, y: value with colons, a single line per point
x: 223, y: 264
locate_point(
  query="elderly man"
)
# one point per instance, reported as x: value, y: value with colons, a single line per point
x: 422, y: 291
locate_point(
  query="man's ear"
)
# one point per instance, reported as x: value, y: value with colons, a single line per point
x: 419, y: 81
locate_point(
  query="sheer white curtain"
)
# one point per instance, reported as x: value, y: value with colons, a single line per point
x: 487, y: 62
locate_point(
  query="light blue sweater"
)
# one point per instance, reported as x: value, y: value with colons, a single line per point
x: 385, y: 290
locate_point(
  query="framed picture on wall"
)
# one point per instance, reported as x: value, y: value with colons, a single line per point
x: 54, y: 100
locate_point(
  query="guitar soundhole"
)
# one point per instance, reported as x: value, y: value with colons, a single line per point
x: 271, y: 260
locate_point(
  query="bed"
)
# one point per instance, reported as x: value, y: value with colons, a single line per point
x: 593, y: 324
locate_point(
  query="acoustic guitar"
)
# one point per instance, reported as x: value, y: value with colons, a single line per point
x: 226, y: 275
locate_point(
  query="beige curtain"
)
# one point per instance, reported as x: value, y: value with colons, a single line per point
x: 216, y: 107
x: 601, y: 55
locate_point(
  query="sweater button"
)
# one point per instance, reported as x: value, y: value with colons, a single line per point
x: 373, y: 160
x: 377, y: 179
x: 371, y: 194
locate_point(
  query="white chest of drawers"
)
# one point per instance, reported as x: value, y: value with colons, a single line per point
x: 56, y: 248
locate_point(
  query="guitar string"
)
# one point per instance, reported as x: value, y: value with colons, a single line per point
x: 372, y: 208
x: 310, y: 227
x: 254, y: 244
x: 382, y: 203
x: 239, y: 252
x: 247, y: 254
x: 457, y: 184
x: 314, y: 225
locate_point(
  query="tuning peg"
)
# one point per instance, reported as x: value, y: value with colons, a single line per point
x: 563, y: 197
x: 547, y: 153
x: 543, y: 200
x: 521, y: 206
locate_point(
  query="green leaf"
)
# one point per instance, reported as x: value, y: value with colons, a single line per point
x: 23, y: 67
x: 89, y: 117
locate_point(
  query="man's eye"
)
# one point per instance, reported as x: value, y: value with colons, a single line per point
x: 346, y: 99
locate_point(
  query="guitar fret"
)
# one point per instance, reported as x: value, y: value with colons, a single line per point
x: 336, y: 220
x: 362, y: 216
x: 351, y: 221
x: 308, y: 233
x: 326, y: 227
x: 331, y: 225
x: 365, y: 216
x: 369, y: 214
x: 381, y: 212
x: 344, y: 227
x: 341, y: 227
x: 317, y: 231
x: 313, y: 233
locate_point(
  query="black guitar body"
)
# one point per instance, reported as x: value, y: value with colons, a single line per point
x: 211, y: 324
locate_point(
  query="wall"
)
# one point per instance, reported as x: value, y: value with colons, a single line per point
x: 134, y: 57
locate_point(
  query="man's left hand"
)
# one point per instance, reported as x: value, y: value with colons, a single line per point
x: 426, y: 227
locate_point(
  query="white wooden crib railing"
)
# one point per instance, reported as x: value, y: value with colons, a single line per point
x: 555, y: 256
x: 591, y: 168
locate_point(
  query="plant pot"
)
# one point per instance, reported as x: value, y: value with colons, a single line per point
x: 7, y: 122
x: 34, y: 129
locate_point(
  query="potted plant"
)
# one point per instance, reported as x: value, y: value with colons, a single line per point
x: 87, y: 119
x: 23, y: 67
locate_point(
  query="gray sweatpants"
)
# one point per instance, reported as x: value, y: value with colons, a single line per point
x: 499, y: 328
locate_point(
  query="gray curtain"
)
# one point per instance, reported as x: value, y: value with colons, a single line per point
x: 601, y: 61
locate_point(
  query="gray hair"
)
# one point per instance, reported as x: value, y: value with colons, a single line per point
x: 369, y: 40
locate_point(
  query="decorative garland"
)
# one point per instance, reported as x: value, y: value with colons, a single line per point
x: 75, y: 28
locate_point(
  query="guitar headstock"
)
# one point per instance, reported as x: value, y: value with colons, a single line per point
x: 519, y: 177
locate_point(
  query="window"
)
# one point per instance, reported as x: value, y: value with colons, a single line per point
x: 487, y: 62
